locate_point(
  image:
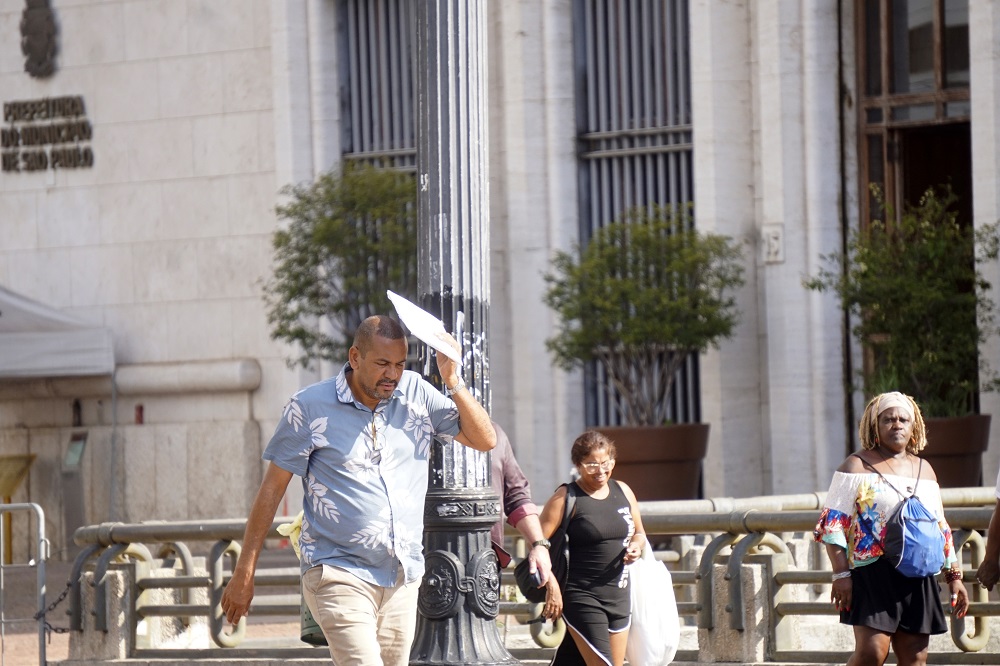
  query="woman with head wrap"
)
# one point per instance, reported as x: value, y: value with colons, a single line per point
x: 886, y: 608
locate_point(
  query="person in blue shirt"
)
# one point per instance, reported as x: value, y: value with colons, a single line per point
x: 360, y: 442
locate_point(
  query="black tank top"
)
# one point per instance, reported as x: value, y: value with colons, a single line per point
x: 599, y: 532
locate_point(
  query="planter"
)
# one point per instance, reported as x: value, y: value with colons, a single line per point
x: 955, y: 449
x: 660, y: 462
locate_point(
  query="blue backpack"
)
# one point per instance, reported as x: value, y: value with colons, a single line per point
x: 913, y: 541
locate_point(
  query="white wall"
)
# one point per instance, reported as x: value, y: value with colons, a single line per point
x: 984, y: 72
x: 721, y: 94
x: 533, y: 213
x: 767, y: 171
x: 164, y: 241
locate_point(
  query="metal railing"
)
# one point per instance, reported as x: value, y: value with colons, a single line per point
x: 41, y: 550
x: 732, y: 533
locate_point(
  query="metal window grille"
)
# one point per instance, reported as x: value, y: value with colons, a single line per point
x: 376, y: 81
x: 634, y: 139
x: 377, y: 95
x: 633, y: 117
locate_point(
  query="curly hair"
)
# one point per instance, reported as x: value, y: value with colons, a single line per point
x: 868, y: 428
x: 589, y: 442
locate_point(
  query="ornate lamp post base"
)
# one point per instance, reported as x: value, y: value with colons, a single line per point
x: 460, y: 593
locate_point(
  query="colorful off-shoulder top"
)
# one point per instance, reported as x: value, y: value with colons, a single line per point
x: 857, y: 507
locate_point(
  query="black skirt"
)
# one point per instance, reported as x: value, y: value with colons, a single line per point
x: 886, y: 600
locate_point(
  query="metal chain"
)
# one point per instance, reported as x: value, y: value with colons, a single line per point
x: 40, y: 615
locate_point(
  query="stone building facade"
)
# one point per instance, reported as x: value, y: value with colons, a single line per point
x: 200, y: 111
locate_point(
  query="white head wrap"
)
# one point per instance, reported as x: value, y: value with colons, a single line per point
x: 895, y: 399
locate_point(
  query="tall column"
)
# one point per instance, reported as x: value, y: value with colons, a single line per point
x: 733, y: 391
x: 460, y: 593
x: 984, y: 88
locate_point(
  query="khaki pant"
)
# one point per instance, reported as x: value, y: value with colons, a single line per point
x: 364, y: 624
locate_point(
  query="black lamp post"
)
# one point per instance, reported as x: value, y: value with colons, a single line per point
x: 460, y: 593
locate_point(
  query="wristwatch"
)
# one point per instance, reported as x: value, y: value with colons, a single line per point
x: 544, y: 543
x: 455, y: 389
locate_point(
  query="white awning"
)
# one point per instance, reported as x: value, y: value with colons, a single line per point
x: 39, y: 341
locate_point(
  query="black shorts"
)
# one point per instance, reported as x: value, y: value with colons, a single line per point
x: 595, y: 617
x: 886, y: 600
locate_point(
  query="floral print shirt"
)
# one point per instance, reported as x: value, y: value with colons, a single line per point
x: 857, y: 507
x: 364, y: 473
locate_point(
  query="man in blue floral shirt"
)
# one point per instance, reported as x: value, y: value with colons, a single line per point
x: 360, y: 442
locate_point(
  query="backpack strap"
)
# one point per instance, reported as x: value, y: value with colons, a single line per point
x: 867, y: 464
x: 569, y: 506
x: 920, y: 466
x: 872, y: 468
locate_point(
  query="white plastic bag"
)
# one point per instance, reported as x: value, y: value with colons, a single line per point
x: 656, y: 628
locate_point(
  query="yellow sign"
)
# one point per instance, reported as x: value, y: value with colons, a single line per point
x: 13, y: 469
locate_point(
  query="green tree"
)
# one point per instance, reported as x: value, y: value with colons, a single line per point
x: 350, y: 236
x: 647, y: 291
x: 921, y: 306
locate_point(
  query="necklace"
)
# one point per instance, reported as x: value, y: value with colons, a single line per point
x: 892, y: 469
x: 377, y: 443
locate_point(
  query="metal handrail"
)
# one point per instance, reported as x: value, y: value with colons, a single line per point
x: 42, y: 550
x: 748, y: 527
x: 713, y: 510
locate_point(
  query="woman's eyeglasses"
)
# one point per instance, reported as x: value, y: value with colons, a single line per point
x: 593, y: 467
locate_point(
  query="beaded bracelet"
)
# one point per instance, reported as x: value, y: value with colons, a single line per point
x: 841, y: 575
x: 951, y: 575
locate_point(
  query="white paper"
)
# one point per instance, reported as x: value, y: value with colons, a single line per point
x: 425, y: 326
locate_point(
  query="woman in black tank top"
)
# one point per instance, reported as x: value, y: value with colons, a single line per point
x: 605, y: 533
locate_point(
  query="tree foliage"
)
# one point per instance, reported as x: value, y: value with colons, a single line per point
x: 350, y: 236
x: 647, y: 291
x: 921, y: 306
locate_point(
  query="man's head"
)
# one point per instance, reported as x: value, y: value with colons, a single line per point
x: 377, y: 357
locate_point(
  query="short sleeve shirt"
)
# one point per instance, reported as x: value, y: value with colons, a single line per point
x: 364, y: 473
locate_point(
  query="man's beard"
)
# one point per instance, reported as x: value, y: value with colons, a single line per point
x: 373, y: 392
